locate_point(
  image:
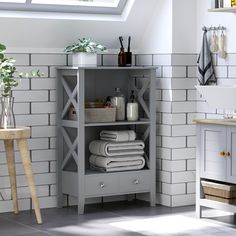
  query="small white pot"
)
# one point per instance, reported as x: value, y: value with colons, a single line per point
x: 84, y: 59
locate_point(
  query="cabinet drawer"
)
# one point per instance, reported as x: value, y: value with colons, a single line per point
x: 101, y: 185
x: 132, y: 182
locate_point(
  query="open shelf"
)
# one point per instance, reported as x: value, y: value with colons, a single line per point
x: 94, y: 172
x: 217, y: 205
x: 229, y: 9
x: 74, y: 124
x: 139, y: 122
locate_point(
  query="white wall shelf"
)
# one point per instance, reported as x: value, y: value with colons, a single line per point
x: 230, y: 9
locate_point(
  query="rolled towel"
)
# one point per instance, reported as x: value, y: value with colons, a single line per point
x: 118, y: 136
x: 109, y: 149
x: 120, y: 161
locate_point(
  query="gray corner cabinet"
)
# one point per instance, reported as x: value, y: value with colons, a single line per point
x: 216, y: 160
x: 77, y: 85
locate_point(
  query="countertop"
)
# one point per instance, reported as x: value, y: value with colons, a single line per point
x: 230, y: 122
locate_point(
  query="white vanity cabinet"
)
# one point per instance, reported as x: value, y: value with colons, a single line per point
x: 231, y: 160
x: 216, y: 159
x: 213, y: 144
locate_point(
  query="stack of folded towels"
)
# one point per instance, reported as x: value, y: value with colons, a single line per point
x: 117, y: 151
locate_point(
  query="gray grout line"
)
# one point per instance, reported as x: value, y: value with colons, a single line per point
x: 21, y: 224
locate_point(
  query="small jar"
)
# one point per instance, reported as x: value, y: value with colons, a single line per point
x: 118, y: 101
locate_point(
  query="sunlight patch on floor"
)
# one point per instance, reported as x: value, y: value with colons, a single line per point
x: 168, y: 225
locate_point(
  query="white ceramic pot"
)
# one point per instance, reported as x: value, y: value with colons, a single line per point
x: 84, y: 59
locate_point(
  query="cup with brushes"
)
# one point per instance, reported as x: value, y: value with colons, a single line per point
x: 124, y: 58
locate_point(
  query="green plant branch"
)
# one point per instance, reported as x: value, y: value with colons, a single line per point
x: 7, y: 71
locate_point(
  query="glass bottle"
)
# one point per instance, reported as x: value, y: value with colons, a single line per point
x: 121, y: 57
x: 132, y: 108
x: 7, y: 120
x: 118, y: 101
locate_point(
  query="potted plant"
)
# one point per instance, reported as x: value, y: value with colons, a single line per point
x: 7, y: 83
x: 84, y: 52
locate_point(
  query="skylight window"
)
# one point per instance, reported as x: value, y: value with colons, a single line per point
x: 92, y: 3
x: 14, y: 1
x: 67, y: 9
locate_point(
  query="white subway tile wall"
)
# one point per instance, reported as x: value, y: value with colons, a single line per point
x: 176, y: 80
x: 35, y: 106
x: 177, y: 105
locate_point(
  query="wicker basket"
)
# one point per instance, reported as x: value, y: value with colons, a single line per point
x: 219, y: 191
x: 93, y: 115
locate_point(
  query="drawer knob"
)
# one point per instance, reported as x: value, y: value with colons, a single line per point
x: 136, y: 181
x: 223, y: 153
x: 228, y: 154
x: 102, y: 185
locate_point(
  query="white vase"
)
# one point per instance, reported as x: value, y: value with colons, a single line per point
x: 84, y: 59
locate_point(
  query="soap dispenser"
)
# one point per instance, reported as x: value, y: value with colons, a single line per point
x: 132, y: 108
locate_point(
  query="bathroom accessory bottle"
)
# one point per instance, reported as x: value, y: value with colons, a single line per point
x: 132, y: 108
x: 118, y: 101
x: 121, y: 55
x: 121, y: 58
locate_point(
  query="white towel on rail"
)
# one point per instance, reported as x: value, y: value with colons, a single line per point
x: 118, y: 136
x: 109, y: 149
x: 120, y: 161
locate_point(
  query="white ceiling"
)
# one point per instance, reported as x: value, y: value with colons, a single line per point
x: 42, y: 33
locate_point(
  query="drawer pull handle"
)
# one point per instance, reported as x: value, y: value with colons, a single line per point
x: 136, y: 181
x: 102, y: 185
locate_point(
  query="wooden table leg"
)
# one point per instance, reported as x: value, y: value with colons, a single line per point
x: 12, y: 171
x: 25, y: 156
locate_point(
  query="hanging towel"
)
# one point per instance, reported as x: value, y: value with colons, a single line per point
x: 118, y: 136
x: 109, y: 149
x: 120, y: 161
x: 206, y: 75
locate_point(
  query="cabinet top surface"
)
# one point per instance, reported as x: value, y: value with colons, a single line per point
x: 229, y: 122
x: 226, y: 9
x: 107, y: 68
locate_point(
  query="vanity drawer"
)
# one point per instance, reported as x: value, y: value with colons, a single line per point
x: 135, y: 181
x: 101, y: 185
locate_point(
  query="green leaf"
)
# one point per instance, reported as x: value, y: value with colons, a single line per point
x: 84, y: 45
x: 2, y: 48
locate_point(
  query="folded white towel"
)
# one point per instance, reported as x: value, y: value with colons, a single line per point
x: 118, y: 136
x: 109, y: 149
x: 120, y: 161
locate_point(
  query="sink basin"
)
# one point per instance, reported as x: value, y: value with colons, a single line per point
x: 220, y: 96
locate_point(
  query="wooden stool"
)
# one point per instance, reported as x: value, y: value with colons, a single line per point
x: 20, y: 134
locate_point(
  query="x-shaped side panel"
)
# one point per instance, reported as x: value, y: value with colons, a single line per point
x: 71, y: 147
x: 71, y: 99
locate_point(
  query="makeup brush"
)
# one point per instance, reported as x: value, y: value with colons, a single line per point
x: 121, y: 41
x: 129, y: 43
